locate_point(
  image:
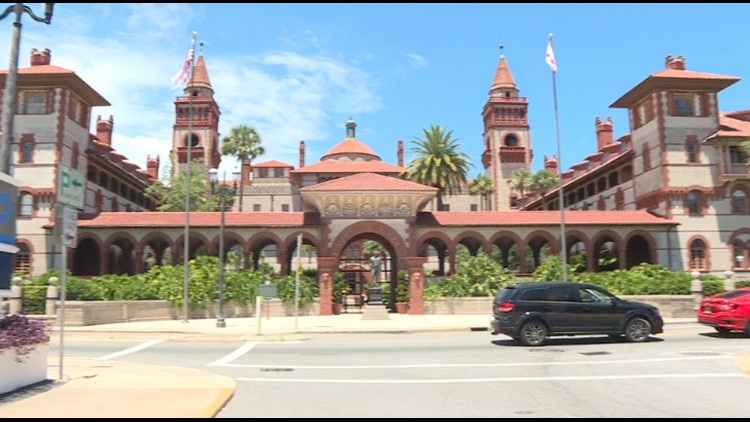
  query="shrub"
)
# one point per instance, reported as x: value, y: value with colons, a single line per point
x: 22, y: 335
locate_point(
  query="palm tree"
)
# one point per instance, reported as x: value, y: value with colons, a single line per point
x: 541, y: 181
x: 243, y: 142
x: 482, y: 186
x: 438, y: 162
x: 522, y: 181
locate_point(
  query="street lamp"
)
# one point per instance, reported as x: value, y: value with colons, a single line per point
x: 11, y: 83
x: 222, y: 198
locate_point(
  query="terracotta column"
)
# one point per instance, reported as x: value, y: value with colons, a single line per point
x: 326, y: 294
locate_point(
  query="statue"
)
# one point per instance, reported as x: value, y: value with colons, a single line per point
x: 375, y: 270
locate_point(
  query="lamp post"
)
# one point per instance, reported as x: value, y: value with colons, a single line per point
x: 220, y: 322
x: 11, y: 83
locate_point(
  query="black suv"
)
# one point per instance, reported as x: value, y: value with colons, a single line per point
x: 532, y: 311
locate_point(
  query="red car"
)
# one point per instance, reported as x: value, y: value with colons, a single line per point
x: 727, y: 311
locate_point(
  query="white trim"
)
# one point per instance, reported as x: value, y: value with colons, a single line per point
x: 4, y: 247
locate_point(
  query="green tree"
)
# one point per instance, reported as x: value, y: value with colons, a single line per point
x: 542, y: 181
x: 170, y: 195
x: 438, y: 162
x: 522, y: 182
x: 243, y: 142
x: 482, y: 186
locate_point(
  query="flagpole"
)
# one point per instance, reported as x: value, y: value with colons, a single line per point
x: 189, y: 144
x: 563, y: 246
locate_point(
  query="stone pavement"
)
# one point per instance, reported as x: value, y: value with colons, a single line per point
x: 91, y: 388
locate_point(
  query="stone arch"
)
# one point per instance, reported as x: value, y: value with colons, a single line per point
x: 640, y: 247
x: 260, y: 241
x: 613, y: 243
x: 505, y: 241
x: 444, y: 247
x: 196, y: 242
x: 289, y: 246
x: 159, y: 244
x: 535, y: 243
x: 119, y: 254
x: 576, y: 243
x: 388, y: 237
x: 87, y: 255
x: 472, y: 240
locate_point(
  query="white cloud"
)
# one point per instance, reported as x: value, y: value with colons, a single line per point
x: 417, y: 61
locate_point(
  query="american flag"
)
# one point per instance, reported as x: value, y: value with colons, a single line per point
x: 183, y: 76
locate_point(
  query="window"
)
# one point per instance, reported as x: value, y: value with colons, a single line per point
x: 693, y: 203
x: 739, y: 204
x: 36, y: 103
x: 27, y: 152
x: 697, y: 255
x: 613, y: 179
x: 27, y: 205
x: 284, y: 207
x: 692, y: 152
x: 532, y: 294
x: 601, y: 185
x: 514, y: 202
x: 740, y: 252
x: 278, y: 172
x: 646, y: 158
x: 683, y: 105
x: 511, y: 141
x: 23, y: 259
x: 262, y: 172
x: 256, y: 207
x: 474, y: 207
x: 736, y: 156
x: 561, y: 294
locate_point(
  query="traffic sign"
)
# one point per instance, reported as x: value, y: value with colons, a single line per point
x: 71, y: 186
x: 70, y: 226
x: 268, y: 291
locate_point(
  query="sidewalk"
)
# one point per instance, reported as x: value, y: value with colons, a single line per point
x: 94, y: 388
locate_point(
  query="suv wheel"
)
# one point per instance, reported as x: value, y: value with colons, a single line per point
x: 637, y: 329
x: 533, y: 333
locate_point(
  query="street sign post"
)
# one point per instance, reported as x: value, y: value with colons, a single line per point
x: 268, y: 291
x: 71, y: 186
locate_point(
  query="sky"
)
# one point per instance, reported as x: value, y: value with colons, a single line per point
x: 300, y: 71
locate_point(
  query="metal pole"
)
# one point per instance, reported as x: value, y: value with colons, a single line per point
x: 63, y: 277
x: 9, y: 98
x: 220, y: 321
x: 186, y: 243
x: 563, y: 246
x: 11, y: 81
x: 296, y: 284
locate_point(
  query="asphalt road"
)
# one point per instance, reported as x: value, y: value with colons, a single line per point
x: 689, y: 371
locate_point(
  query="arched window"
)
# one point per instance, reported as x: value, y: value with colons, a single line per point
x: 511, y: 141
x: 613, y: 179
x: 27, y: 152
x: 697, y: 255
x: 591, y: 189
x: 601, y: 184
x: 23, y: 259
x: 739, y: 202
x: 27, y: 205
x: 694, y: 203
x: 627, y: 173
x: 740, y: 255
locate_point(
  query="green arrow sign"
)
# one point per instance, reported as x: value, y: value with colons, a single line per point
x: 71, y: 186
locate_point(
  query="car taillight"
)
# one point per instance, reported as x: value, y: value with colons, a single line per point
x: 505, y: 307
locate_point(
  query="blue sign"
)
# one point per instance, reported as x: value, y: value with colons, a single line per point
x: 8, y: 195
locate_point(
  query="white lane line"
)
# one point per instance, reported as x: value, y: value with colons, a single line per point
x: 485, y: 380
x: 473, y: 365
x: 225, y: 361
x: 130, y: 350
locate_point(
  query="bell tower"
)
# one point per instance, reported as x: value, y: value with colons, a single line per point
x: 196, y: 123
x: 507, y: 138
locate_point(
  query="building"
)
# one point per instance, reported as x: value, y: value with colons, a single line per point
x: 673, y: 192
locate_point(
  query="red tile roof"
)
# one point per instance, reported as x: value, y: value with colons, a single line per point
x: 350, y: 147
x: 42, y: 75
x: 729, y: 126
x: 545, y: 218
x: 503, y: 77
x: 273, y: 164
x: 674, y: 79
x: 368, y: 182
x: 197, y: 219
x: 331, y: 166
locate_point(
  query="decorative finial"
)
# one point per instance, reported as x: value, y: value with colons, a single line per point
x: 550, y: 35
x: 201, y: 48
x: 195, y: 33
x: 501, y: 50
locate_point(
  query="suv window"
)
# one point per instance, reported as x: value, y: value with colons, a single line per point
x: 505, y: 294
x: 594, y: 296
x: 562, y: 294
x: 532, y: 294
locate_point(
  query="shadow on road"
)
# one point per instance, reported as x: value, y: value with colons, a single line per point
x: 574, y: 341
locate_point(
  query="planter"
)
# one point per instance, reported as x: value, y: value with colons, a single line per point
x: 32, y: 369
x: 402, y: 307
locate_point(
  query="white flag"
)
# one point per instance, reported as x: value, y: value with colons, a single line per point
x: 551, y: 57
